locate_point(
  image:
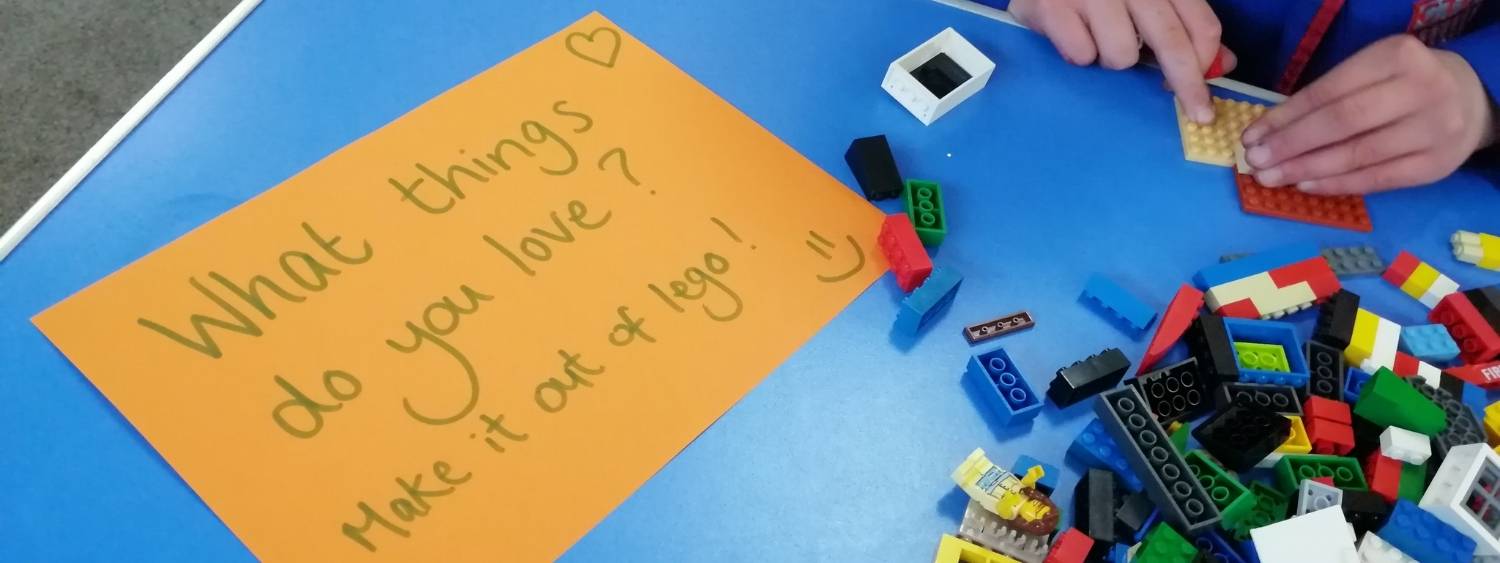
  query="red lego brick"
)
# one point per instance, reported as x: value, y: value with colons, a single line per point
x: 1242, y: 309
x: 1343, y: 212
x: 1308, y: 45
x: 1401, y: 268
x: 1315, y: 271
x: 1215, y: 68
x: 1405, y: 365
x: 1486, y: 375
x: 1326, y: 409
x: 1071, y: 546
x: 1330, y: 437
x: 1324, y: 480
x: 1383, y: 474
x: 1476, y: 339
x: 898, y: 241
x: 1180, y: 313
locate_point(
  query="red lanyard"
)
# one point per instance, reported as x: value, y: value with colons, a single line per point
x: 1308, y: 45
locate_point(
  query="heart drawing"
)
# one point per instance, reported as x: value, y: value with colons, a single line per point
x: 592, y: 48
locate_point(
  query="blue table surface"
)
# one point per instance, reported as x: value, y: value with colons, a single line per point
x: 1050, y: 173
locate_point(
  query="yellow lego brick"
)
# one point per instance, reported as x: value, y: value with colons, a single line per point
x: 1479, y: 249
x: 954, y: 550
x: 1420, y: 280
x: 1215, y: 142
x: 1492, y: 423
x: 1362, y: 340
x: 1298, y: 442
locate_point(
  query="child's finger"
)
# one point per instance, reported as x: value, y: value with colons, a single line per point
x: 1398, y: 139
x: 1066, y: 30
x: 1203, y: 29
x: 1399, y: 172
x: 1164, y: 32
x: 1114, y: 34
x: 1338, y: 121
x: 1367, y: 67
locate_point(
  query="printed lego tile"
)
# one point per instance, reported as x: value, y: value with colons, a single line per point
x: 997, y: 327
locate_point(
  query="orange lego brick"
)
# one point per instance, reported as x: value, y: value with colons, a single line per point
x: 1343, y: 212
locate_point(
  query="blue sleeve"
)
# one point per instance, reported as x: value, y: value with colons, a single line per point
x: 1001, y: 4
x: 1480, y: 48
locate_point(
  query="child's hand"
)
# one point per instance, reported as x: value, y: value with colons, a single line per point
x: 1184, y: 34
x: 1396, y: 114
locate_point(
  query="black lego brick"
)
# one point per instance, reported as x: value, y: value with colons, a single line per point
x: 1487, y: 301
x: 1208, y: 340
x: 1281, y: 399
x: 1242, y: 434
x: 1088, y: 377
x: 1365, y: 510
x: 1175, y: 392
x: 1133, y: 514
x: 1463, y: 426
x: 1169, y: 483
x: 1094, y: 505
x: 1336, y: 319
x: 1325, y: 371
x: 874, y: 168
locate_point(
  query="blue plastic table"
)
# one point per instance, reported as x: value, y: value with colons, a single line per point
x: 1050, y: 173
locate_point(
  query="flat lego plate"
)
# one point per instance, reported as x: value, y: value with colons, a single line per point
x: 1341, y: 212
x: 1215, y: 143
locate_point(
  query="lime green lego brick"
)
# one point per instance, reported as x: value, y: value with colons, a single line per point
x: 1222, y: 487
x: 1268, y: 507
x: 1263, y: 357
x: 1293, y: 468
x: 924, y: 205
x: 1180, y: 438
x: 1388, y: 400
x: 1165, y: 545
x: 1413, y: 482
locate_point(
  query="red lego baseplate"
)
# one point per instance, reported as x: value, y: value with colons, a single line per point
x: 1343, y: 212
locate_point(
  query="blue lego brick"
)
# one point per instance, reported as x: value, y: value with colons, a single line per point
x: 998, y: 380
x: 1182, y: 500
x: 1429, y: 343
x: 1424, y: 537
x: 1271, y: 332
x: 1151, y: 520
x: 1050, y: 473
x: 1113, y: 301
x: 1119, y: 553
x: 1095, y: 448
x: 1219, y: 274
x: 1354, y: 380
x: 1474, y: 397
x: 1217, y: 548
x: 928, y: 301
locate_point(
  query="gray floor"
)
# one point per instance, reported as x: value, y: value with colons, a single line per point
x: 70, y: 68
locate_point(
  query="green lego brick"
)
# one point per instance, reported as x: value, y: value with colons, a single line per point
x: 1180, y: 438
x: 1293, y: 468
x: 1413, y: 482
x: 1263, y: 357
x: 1268, y: 506
x: 1165, y: 545
x: 924, y: 205
x: 1223, y: 488
x: 1388, y: 400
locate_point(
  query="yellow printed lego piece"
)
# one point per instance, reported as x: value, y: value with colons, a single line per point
x: 1298, y: 442
x: 1215, y: 142
x: 1420, y: 279
x: 1479, y: 249
x: 1362, y: 340
x: 984, y: 481
x: 954, y: 550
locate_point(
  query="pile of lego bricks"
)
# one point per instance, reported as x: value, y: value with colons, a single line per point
x: 1363, y: 441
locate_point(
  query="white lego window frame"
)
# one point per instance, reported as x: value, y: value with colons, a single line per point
x: 916, y: 98
x: 1465, y: 493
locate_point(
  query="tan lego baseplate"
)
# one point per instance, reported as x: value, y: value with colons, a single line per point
x: 1215, y: 142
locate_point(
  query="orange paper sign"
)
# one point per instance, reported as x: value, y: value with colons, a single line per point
x: 472, y: 333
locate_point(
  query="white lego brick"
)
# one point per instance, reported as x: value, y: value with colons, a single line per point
x: 1372, y: 549
x: 1387, y: 339
x: 1465, y: 493
x: 1405, y: 445
x: 1323, y: 536
x: 1313, y: 496
x: 1441, y: 287
x: 1269, y: 461
x: 1430, y: 373
x: 920, y: 101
